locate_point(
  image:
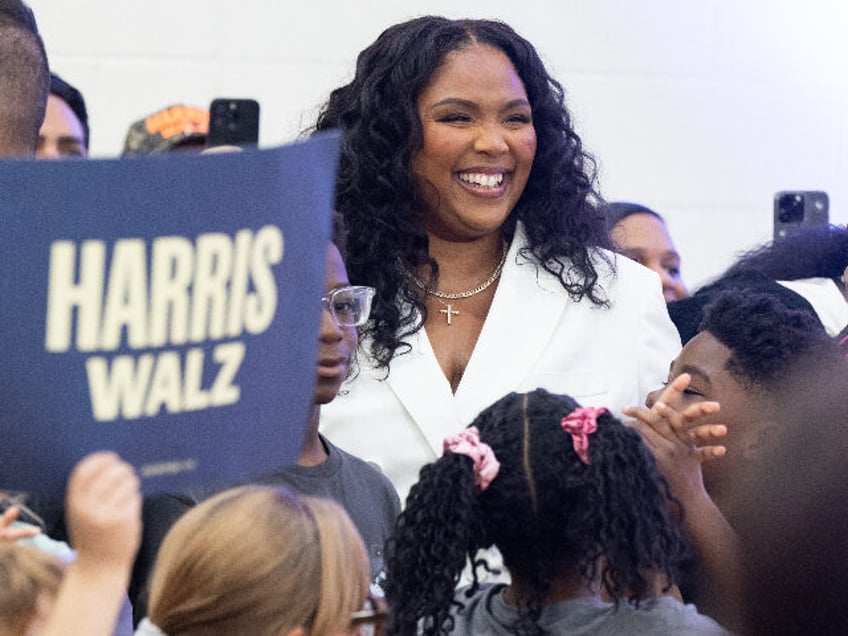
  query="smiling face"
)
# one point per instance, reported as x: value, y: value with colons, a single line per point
x: 478, y: 143
x: 744, y: 409
x: 645, y: 239
x: 336, y: 344
x: 61, y: 135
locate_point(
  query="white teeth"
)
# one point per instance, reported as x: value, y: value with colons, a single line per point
x: 483, y: 180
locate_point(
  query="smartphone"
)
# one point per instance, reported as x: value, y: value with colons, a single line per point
x: 795, y: 209
x: 233, y: 122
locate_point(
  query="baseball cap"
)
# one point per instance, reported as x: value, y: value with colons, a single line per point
x: 167, y: 130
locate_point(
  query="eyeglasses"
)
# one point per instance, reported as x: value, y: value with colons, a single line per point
x: 349, y: 306
x: 370, y: 620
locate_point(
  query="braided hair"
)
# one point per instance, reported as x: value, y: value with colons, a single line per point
x: 549, y: 513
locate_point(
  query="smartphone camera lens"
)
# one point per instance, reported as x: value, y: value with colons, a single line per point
x: 219, y: 115
x: 790, y: 208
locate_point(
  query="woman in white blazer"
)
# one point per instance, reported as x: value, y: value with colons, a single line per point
x: 471, y: 207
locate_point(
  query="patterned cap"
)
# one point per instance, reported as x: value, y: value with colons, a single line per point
x: 166, y: 130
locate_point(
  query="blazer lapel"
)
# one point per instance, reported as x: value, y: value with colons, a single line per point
x: 525, y: 312
x: 418, y: 382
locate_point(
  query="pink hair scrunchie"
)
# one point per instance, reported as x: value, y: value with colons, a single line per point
x: 486, y: 465
x: 581, y: 423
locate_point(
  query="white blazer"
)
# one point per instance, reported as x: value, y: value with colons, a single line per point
x: 534, y: 336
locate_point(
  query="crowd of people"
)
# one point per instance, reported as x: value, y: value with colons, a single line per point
x: 522, y: 422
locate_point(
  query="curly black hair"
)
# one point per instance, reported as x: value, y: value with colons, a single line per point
x: 546, y: 511
x: 809, y: 252
x: 377, y: 192
x: 765, y: 337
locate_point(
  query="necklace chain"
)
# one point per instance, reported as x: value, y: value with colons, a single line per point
x: 466, y: 294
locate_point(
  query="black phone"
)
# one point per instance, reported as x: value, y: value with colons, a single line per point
x: 233, y: 122
x: 795, y: 209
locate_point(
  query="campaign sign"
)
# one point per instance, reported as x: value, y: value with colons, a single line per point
x: 166, y: 308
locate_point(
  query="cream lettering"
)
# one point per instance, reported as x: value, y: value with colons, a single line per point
x: 133, y: 387
x: 219, y: 287
x: 145, y: 296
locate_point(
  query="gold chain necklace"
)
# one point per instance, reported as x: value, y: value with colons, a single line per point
x: 449, y: 311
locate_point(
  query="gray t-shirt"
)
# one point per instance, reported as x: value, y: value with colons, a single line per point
x: 363, y: 491
x: 486, y: 613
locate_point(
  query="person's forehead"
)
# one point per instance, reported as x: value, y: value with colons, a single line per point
x: 706, y: 354
x: 710, y: 355
x: 335, y: 273
x: 61, y: 116
x: 479, y: 69
x: 642, y: 229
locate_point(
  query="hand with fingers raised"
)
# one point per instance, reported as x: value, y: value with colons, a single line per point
x: 103, y: 512
x: 679, y: 443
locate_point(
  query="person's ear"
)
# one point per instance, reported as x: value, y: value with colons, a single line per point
x: 762, y: 440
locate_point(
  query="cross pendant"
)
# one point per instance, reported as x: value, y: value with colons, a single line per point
x: 450, y: 311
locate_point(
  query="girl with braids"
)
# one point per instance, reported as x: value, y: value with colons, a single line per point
x: 471, y: 208
x: 573, y: 501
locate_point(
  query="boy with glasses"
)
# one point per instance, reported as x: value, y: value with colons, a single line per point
x: 322, y: 469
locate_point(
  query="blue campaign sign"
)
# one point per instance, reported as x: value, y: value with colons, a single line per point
x: 166, y: 308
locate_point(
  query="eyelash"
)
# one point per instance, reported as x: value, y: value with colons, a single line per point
x: 687, y: 391
x: 457, y: 117
x: 462, y: 118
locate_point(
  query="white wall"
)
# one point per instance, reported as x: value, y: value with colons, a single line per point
x: 701, y: 109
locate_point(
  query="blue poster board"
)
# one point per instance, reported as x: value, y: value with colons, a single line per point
x: 166, y: 308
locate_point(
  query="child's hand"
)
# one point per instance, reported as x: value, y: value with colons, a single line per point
x: 103, y: 511
x: 103, y: 515
x: 674, y: 438
x: 8, y: 534
x: 670, y: 424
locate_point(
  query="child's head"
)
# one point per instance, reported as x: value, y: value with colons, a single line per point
x: 747, y: 345
x: 30, y: 581
x: 764, y: 337
x: 345, y: 308
x: 551, y: 515
x: 259, y: 560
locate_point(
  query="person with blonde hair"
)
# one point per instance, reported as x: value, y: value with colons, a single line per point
x: 31, y: 580
x: 41, y: 594
x: 259, y: 560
